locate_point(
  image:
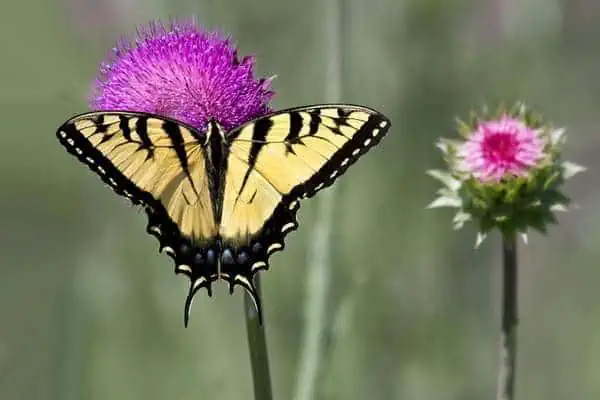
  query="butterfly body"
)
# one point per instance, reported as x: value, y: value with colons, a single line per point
x: 220, y: 203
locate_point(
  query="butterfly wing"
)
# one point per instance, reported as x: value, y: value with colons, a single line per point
x: 159, y: 164
x: 275, y: 161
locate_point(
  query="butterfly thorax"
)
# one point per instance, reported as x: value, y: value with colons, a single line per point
x: 216, y: 163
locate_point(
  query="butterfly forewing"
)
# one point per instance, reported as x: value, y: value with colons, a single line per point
x: 161, y: 165
x: 273, y: 163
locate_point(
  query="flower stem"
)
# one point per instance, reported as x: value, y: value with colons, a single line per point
x: 508, y: 338
x: 257, y: 344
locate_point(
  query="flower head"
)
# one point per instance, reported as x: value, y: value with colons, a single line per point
x: 507, y: 173
x: 182, y: 72
x: 499, y: 148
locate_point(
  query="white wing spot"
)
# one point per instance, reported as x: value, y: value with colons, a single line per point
x: 333, y: 174
x: 319, y: 186
x: 366, y: 143
x: 293, y: 205
x: 287, y: 227
x: 70, y: 141
x: 382, y: 124
x: 90, y: 160
x: 240, y: 278
x: 62, y: 134
x: 168, y: 250
x: 78, y: 150
x: 257, y: 265
x: 346, y: 161
x: 155, y: 229
x: 184, y: 268
x: 112, y: 181
x: 101, y: 170
x: 274, y: 247
x: 375, y: 132
x: 198, y: 282
x: 355, y: 152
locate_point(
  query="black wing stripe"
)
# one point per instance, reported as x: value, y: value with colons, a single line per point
x: 294, y: 132
x: 141, y: 128
x: 174, y: 133
x: 124, y: 127
x: 315, y: 122
x: 342, y: 114
x: 295, y: 127
x: 259, y: 134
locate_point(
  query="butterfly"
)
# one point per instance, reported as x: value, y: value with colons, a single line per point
x: 221, y: 202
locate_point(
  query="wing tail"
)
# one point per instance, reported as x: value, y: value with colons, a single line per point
x: 247, y: 280
x: 194, y: 287
x: 253, y: 295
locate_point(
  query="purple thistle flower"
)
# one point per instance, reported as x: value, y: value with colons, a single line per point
x: 182, y: 72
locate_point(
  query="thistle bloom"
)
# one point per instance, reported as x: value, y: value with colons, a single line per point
x: 499, y: 148
x: 182, y: 72
x: 507, y: 173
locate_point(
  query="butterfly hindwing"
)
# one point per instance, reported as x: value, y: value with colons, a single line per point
x: 159, y: 164
x: 275, y: 161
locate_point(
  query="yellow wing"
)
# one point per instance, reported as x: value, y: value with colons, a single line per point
x: 159, y: 164
x: 278, y: 159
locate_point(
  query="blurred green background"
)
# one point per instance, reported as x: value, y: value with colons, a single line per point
x: 89, y: 310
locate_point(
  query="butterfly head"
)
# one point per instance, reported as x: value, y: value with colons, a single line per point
x: 214, y: 132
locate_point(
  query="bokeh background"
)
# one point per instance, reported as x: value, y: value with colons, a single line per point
x: 89, y: 310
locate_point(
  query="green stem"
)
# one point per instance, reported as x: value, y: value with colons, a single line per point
x: 508, y: 339
x: 257, y: 344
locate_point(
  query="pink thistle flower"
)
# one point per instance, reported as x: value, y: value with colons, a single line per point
x: 182, y: 72
x: 480, y: 183
x: 501, y: 148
